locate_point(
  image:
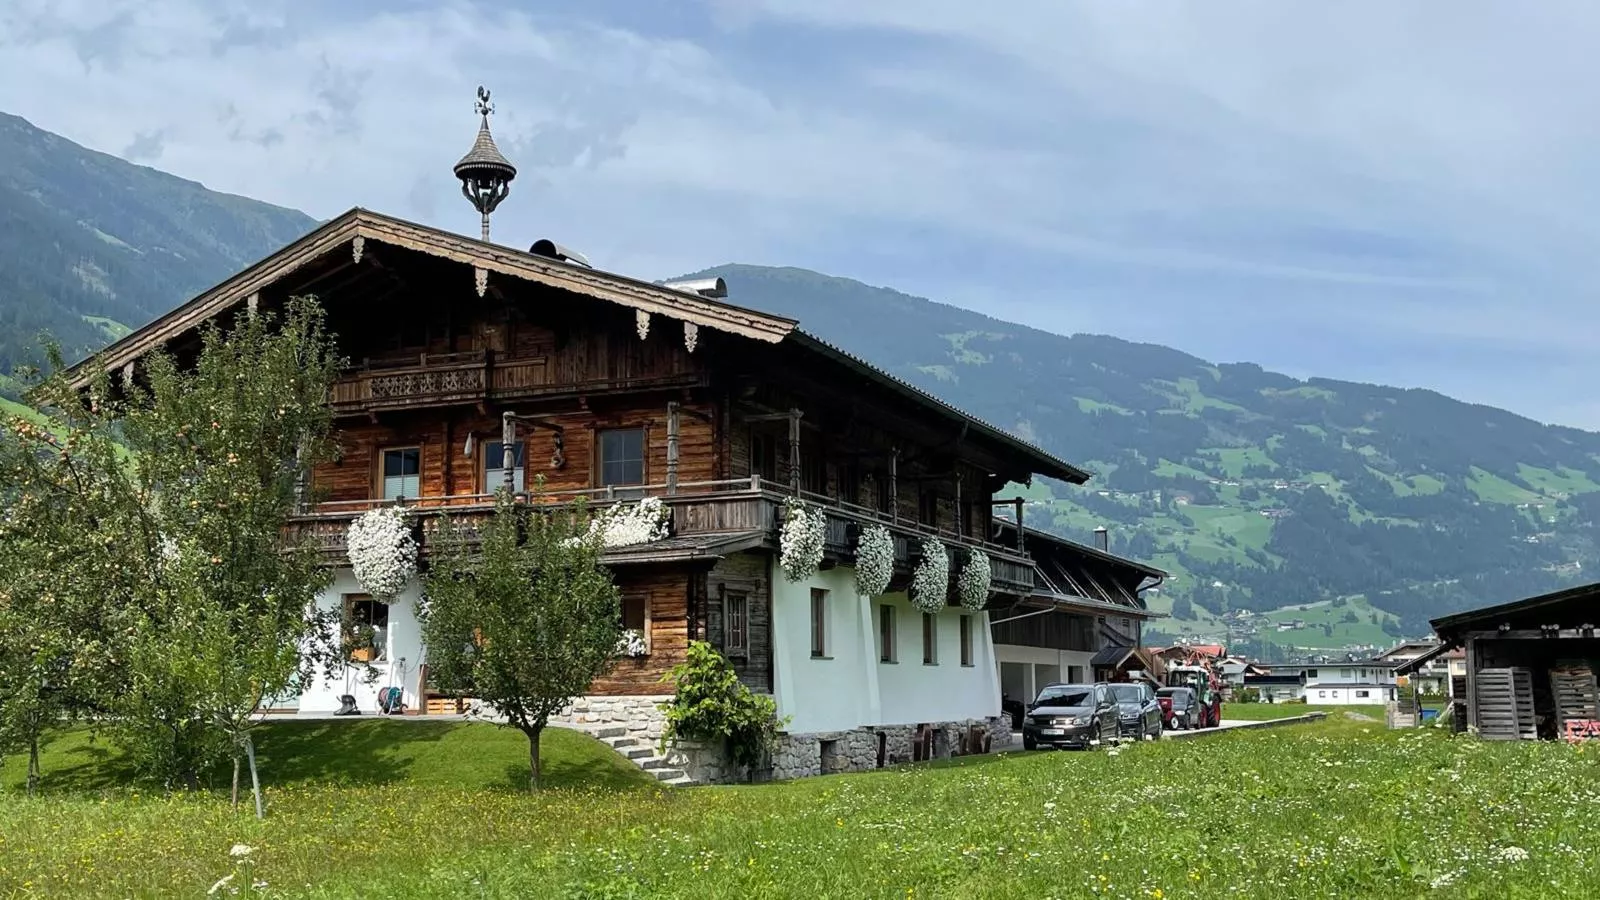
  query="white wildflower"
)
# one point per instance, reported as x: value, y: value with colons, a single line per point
x: 382, y: 551
x: 874, y: 561
x: 972, y: 583
x: 241, y: 850
x: 930, y: 582
x: 631, y: 643
x: 801, y: 539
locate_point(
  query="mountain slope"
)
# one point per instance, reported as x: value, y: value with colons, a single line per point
x: 1259, y: 491
x: 91, y: 245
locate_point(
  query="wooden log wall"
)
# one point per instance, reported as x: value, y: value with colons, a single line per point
x: 747, y: 574
x: 665, y: 595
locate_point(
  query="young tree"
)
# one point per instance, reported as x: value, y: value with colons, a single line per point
x: 222, y: 453
x: 64, y: 585
x: 526, y: 620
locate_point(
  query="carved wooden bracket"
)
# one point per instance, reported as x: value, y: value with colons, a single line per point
x: 356, y: 246
x: 641, y: 321
x: 480, y: 280
x: 252, y: 302
x: 691, y: 335
x: 127, y: 375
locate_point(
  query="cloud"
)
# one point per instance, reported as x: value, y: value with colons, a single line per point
x: 1347, y: 187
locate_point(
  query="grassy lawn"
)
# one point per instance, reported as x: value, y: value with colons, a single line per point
x: 1336, y: 809
x: 1256, y: 712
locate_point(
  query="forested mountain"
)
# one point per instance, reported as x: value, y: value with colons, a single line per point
x: 1256, y: 490
x: 91, y: 245
x: 1311, y: 513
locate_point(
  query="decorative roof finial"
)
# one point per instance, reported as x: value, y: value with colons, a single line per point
x: 484, y: 172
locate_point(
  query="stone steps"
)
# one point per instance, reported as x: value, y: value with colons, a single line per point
x: 639, y: 749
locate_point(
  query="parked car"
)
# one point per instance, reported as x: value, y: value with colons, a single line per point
x: 1138, y: 714
x: 1178, y: 706
x: 1070, y: 715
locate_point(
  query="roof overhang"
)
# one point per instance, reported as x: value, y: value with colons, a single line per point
x: 1071, y: 603
x: 688, y: 549
x: 366, y: 225
x: 1417, y: 662
x: 1490, y: 617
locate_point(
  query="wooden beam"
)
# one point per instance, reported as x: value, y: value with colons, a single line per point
x: 672, y: 447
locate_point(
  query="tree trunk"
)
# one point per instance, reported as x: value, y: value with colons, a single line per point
x: 533, y: 732
x: 33, y: 763
x: 255, y: 778
x: 236, y: 779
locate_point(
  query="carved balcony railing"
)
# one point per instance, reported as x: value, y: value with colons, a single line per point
x: 425, y: 380
x: 745, y: 505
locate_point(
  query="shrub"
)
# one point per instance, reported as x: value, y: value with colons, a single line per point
x: 711, y: 704
x: 1247, y: 695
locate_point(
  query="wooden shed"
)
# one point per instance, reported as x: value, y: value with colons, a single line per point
x: 1531, y: 665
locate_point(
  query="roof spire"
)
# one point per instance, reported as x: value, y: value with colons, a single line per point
x: 485, y: 173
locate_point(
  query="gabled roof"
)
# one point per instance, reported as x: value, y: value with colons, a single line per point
x: 1570, y: 608
x: 365, y: 225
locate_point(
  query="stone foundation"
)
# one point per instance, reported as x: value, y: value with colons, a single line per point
x: 797, y: 755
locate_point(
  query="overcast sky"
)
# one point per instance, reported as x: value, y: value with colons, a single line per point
x: 1393, y: 192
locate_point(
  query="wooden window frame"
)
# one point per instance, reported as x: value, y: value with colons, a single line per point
x: 736, y: 625
x: 646, y: 627
x: 930, y: 639
x: 379, y: 478
x: 597, y: 455
x: 888, y: 644
x: 966, y: 640
x: 819, y: 624
x: 483, y: 467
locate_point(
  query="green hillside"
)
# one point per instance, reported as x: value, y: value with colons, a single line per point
x: 91, y: 244
x: 1256, y: 490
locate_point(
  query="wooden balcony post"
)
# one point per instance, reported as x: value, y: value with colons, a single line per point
x: 794, y: 450
x: 959, y: 530
x: 894, y: 485
x: 1017, y: 504
x: 508, y: 442
x: 672, y: 447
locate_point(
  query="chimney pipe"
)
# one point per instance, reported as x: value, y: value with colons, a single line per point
x: 1102, y: 539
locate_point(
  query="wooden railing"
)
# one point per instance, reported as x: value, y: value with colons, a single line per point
x: 704, y: 507
x: 435, y: 379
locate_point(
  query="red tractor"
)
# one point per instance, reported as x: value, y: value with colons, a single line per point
x: 1198, y: 676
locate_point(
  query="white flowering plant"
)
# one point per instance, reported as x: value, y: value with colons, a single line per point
x: 800, y: 539
x: 874, y: 561
x: 382, y: 551
x: 625, y: 524
x: 972, y: 582
x: 631, y: 643
x: 930, y: 581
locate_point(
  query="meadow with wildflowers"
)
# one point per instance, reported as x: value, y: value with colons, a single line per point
x: 1339, y: 808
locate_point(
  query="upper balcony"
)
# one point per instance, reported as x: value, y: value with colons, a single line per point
x: 746, y: 508
x: 434, y: 379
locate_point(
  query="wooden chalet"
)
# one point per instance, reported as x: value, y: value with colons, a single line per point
x: 619, y: 389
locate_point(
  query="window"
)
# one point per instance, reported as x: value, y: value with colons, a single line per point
x: 1311, y: 673
x: 850, y: 483
x: 1322, y: 694
x: 1075, y: 674
x: 622, y: 456
x: 366, y: 629
x: 737, y: 613
x: 402, y: 473
x: 636, y: 615
x: 495, y: 464
x: 930, y: 639
x: 1344, y: 673
x: 928, y: 507
x: 763, y: 457
x: 966, y: 640
x: 884, y: 495
x: 1363, y: 693
x: 886, y: 633
x: 819, y: 623
x: 813, y: 469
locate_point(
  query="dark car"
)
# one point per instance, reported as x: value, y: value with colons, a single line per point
x: 1070, y: 715
x: 1178, y: 706
x: 1138, y: 713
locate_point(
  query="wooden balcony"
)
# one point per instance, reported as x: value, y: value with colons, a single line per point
x: 744, y: 505
x: 439, y: 379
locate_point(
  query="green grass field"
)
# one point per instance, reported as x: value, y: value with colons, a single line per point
x: 1257, y: 712
x: 1335, y: 809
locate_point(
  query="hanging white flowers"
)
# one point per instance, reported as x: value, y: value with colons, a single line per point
x: 631, y: 643
x: 624, y: 525
x: 800, y: 539
x: 930, y: 581
x: 972, y: 582
x: 383, y: 552
x: 874, y: 561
